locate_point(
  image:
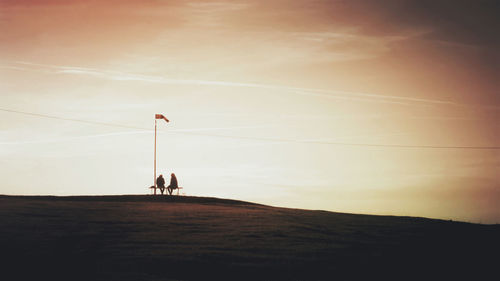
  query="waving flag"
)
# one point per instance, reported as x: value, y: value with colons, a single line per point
x: 160, y: 116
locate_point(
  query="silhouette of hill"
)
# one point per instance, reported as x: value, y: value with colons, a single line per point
x: 136, y: 237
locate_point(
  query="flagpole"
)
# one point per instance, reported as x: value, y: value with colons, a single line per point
x: 157, y: 116
x: 154, y: 182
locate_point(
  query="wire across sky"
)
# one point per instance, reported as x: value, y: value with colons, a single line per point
x: 270, y: 139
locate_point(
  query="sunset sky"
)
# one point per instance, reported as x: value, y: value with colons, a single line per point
x: 356, y: 106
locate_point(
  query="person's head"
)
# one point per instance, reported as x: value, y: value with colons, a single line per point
x: 161, y: 176
x: 173, y: 175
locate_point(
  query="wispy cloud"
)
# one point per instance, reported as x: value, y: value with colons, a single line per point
x: 209, y: 14
x: 124, y: 76
x: 220, y: 128
x: 348, y: 44
x: 213, y: 7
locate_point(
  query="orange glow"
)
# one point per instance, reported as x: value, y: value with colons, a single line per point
x: 263, y: 97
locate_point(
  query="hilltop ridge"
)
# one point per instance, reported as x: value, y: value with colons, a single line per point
x: 143, y: 237
x: 199, y: 200
x: 134, y: 198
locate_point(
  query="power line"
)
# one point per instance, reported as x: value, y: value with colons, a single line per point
x: 72, y: 119
x: 254, y: 138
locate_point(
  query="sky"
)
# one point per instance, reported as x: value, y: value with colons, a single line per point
x: 378, y: 107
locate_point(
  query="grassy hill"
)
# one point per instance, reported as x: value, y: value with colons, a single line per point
x: 186, y: 238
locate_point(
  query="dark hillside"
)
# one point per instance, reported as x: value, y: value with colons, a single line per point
x: 186, y: 238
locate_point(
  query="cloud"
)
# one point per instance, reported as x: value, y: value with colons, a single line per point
x: 465, y: 22
x: 329, y: 94
x: 217, y: 7
x: 82, y: 30
x: 219, y: 128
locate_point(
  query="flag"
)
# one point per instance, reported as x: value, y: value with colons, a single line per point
x: 160, y: 116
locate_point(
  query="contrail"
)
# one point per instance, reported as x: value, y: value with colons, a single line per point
x: 345, y: 143
x: 355, y: 96
x: 219, y: 128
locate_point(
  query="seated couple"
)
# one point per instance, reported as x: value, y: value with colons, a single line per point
x: 160, y: 182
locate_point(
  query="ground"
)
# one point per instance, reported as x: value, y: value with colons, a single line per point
x: 194, y: 238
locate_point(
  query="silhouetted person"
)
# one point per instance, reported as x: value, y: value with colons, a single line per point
x: 173, y: 184
x: 160, y: 182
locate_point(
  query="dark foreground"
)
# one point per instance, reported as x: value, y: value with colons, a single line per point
x: 186, y: 238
